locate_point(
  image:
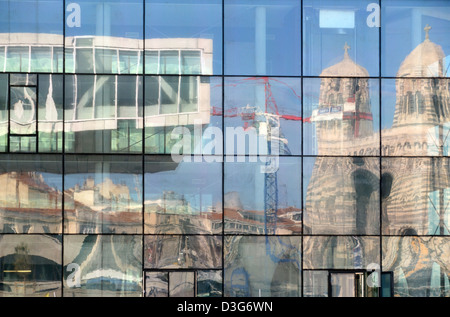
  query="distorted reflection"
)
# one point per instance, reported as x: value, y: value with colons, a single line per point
x: 268, y: 110
x: 420, y: 265
x: 405, y: 211
x: 340, y: 252
x: 182, y: 198
x: 170, y: 251
x: 31, y: 195
x: 342, y: 195
x: 103, y: 114
x: 30, y: 266
x: 156, y: 284
x: 190, y: 103
x: 103, y: 194
x: 258, y: 202
x: 341, y: 116
x: 102, y: 265
x: 262, y: 266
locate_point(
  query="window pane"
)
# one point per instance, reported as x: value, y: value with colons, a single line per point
x: 177, y: 252
x: 342, y: 195
x: 103, y: 194
x: 262, y: 38
x: 156, y: 284
x: 186, y: 121
x: 315, y: 284
x: 416, y: 117
x: 107, y: 28
x: 261, y: 106
x: 23, y: 110
x: 182, y: 198
x: 342, y: 252
x: 102, y: 266
x: 4, y: 113
x: 30, y: 30
x: 181, y: 284
x: 262, y: 266
x: 209, y: 284
x: 404, y: 211
x: 415, y: 35
x: 263, y: 202
x: 30, y: 266
x: 192, y: 26
x: 50, y: 124
x: 31, y: 199
x: 341, y: 116
x: 341, y: 31
x: 427, y: 275
x: 103, y: 114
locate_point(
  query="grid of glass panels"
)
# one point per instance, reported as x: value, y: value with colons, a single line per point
x: 224, y: 148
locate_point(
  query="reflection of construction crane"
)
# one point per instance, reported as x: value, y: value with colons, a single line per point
x: 267, y: 121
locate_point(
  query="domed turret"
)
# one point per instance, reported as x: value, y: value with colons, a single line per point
x: 426, y: 60
x: 345, y: 68
x: 344, y: 112
x: 422, y: 99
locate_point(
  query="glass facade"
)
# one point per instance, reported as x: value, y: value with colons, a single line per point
x: 224, y: 148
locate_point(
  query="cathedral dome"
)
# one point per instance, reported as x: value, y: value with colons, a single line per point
x: 426, y: 60
x: 345, y: 68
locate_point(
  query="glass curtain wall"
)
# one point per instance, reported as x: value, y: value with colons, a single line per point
x: 209, y: 148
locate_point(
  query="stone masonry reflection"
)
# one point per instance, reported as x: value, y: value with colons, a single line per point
x: 344, y: 193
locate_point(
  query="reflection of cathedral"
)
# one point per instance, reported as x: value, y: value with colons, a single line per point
x: 405, y: 195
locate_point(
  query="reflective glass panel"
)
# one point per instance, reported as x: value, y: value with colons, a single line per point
x: 419, y: 264
x: 4, y: 113
x: 341, y: 116
x: 183, y: 115
x: 183, y: 37
x: 181, y: 284
x: 416, y: 117
x: 342, y: 195
x: 259, y: 200
x: 31, y: 195
x: 104, y: 37
x: 23, y: 110
x: 30, y: 266
x: 32, y: 33
x: 405, y: 212
x: 341, y: 38
x: 102, y: 266
x: 50, y: 115
x: 103, y: 114
x: 341, y: 252
x: 182, y: 197
x: 103, y: 194
x: 262, y: 115
x: 156, y: 284
x: 177, y: 252
x: 415, y: 38
x: 262, y: 38
x: 262, y: 266
x: 209, y: 284
x: 315, y: 284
